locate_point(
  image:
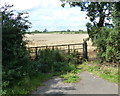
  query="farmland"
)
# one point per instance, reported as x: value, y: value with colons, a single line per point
x: 34, y: 40
x: 55, y: 39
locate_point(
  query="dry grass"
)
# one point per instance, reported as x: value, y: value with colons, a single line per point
x: 53, y: 39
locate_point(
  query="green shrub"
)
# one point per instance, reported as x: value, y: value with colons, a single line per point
x: 113, y: 48
x: 14, y: 54
x: 50, y: 60
x: 107, y: 39
x: 27, y: 84
x: 55, y: 61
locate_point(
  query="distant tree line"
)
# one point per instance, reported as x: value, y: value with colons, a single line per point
x: 45, y: 30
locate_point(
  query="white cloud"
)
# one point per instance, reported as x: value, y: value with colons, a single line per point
x: 49, y: 3
x: 49, y: 14
x: 22, y: 4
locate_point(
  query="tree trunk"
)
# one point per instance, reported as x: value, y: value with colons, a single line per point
x: 101, y: 19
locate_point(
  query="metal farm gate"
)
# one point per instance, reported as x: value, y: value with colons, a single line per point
x: 79, y: 47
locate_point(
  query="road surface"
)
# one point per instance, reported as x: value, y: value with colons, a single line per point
x: 89, y: 84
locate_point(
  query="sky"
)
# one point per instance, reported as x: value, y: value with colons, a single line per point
x: 50, y: 14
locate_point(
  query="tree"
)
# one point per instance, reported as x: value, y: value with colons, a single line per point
x: 101, y: 10
x: 14, y: 54
x: 95, y: 10
x: 45, y: 30
x: 68, y: 30
x: 36, y: 31
x: 105, y: 38
x: 80, y: 30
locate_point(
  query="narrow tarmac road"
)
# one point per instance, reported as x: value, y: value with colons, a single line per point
x: 89, y: 84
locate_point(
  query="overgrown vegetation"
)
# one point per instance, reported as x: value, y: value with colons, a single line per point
x: 107, y: 72
x: 28, y: 84
x: 106, y: 39
x: 104, y: 33
x: 14, y: 55
x: 49, y: 63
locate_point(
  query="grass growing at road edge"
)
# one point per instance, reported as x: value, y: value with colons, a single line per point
x: 28, y: 84
x: 70, y: 78
x: 106, y: 72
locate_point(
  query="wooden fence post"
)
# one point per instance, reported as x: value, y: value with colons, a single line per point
x: 85, y: 54
x: 36, y: 53
x: 52, y: 47
x: 68, y: 49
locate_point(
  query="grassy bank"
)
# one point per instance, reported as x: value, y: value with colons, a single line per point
x: 28, y: 84
x: 106, y: 72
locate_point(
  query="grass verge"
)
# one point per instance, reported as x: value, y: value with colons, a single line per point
x: 106, y: 72
x: 28, y: 84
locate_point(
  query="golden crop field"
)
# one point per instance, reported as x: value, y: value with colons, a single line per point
x: 59, y: 39
x: 56, y: 39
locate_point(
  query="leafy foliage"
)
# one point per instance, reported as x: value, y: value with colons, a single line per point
x: 15, y: 58
x: 54, y: 61
x: 109, y: 40
x: 28, y: 84
x: 106, y: 36
x: 99, y: 10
